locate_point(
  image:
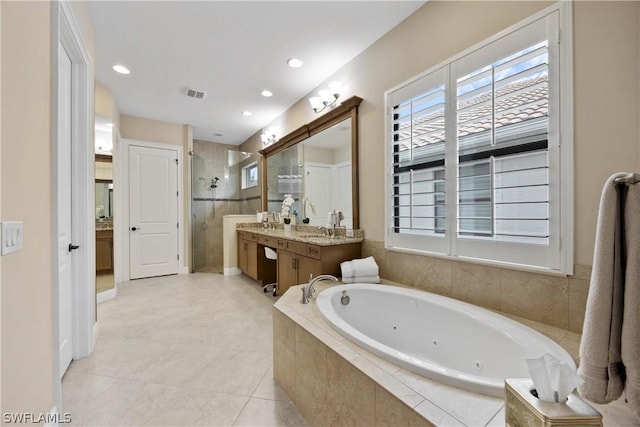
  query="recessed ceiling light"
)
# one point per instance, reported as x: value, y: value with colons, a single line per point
x: 266, y: 93
x: 295, y: 62
x: 121, y: 69
x: 247, y: 113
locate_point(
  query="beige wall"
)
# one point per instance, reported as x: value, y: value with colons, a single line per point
x: 606, y: 55
x: 1, y: 406
x: 149, y: 130
x: 27, y: 285
x: 607, y: 85
x: 28, y: 381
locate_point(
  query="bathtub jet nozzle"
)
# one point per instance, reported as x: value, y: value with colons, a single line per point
x: 345, y: 299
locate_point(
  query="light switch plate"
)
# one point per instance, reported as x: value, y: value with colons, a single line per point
x: 11, y: 236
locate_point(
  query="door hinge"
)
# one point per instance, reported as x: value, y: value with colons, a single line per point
x: 178, y: 257
x: 177, y: 193
x: 178, y: 225
x: 176, y: 161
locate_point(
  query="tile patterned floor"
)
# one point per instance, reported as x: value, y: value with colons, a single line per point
x: 181, y: 350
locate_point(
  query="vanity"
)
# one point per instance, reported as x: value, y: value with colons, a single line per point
x: 301, y: 252
x: 317, y: 166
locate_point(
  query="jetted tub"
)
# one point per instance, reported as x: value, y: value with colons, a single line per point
x: 444, y: 339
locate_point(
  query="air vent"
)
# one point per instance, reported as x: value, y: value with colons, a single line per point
x: 196, y: 94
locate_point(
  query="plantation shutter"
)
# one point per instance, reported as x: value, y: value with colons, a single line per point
x: 418, y: 153
x: 475, y: 153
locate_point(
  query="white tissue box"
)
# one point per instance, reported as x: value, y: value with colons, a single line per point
x: 523, y: 409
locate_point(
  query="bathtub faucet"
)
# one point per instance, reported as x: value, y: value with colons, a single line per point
x: 308, y: 290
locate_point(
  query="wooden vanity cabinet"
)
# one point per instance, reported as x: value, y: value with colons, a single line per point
x: 104, y: 251
x: 248, y: 255
x: 296, y: 261
x: 294, y: 269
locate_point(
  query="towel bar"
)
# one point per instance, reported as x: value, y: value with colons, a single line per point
x: 631, y: 178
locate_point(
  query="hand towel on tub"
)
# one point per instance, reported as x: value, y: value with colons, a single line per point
x: 631, y: 316
x: 359, y: 267
x: 361, y: 279
x: 601, y: 365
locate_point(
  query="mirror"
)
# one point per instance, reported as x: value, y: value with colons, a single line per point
x: 104, y: 200
x: 104, y: 222
x: 318, y: 163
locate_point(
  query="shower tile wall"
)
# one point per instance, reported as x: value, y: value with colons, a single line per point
x: 209, y: 205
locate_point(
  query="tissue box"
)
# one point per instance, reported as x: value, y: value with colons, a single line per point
x: 523, y: 409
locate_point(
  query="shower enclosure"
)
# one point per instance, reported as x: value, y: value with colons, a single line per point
x: 224, y: 181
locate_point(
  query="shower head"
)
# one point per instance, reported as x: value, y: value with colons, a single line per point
x: 214, y: 182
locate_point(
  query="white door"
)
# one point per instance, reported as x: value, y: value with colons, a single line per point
x: 318, y: 187
x: 65, y: 248
x: 153, y: 211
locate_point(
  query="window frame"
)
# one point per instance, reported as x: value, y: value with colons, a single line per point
x: 246, y: 170
x: 558, y: 258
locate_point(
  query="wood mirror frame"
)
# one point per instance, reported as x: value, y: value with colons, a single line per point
x: 348, y: 109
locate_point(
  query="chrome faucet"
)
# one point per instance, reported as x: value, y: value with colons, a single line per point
x: 308, y: 290
x: 325, y: 231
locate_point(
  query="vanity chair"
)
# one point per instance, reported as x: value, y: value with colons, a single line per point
x: 272, y: 255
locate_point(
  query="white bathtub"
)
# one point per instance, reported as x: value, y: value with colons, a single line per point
x: 444, y: 339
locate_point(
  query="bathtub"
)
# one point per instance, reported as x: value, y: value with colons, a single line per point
x: 447, y: 340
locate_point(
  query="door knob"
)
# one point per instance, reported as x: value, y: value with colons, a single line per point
x: 135, y: 228
x: 73, y: 247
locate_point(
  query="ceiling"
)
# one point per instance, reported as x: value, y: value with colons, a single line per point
x: 231, y: 50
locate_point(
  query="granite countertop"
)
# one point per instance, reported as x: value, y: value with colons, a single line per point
x: 303, y: 233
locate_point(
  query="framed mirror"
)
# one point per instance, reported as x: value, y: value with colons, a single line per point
x: 318, y: 163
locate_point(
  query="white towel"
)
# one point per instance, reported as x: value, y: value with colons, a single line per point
x: 361, y: 279
x: 359, y: 267
x: 631, y: 317
x: 601, y: 365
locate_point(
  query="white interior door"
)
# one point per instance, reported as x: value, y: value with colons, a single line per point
x: 153, y: 212
x: 317, y: 186
x: 65, y: 248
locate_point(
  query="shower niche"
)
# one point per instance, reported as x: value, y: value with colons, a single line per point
x: 224, y: 181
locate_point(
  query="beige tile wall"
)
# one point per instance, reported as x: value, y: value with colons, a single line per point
x: 548, y: 299
x: 321, y: 383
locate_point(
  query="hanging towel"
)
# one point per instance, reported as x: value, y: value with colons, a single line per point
x: 601, y: 365
x: 365, y: 267
x: 631, y: 316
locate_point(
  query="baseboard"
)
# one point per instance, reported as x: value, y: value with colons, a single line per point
x: 232, y: 271
x: 185, y: 270
x: 106, y: 295
x: 95, y: 333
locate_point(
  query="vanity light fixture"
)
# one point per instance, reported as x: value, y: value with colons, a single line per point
x: 118, y: 68
x: 326, y: 99
x: 269, y: 136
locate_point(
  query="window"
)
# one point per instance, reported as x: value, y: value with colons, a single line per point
x: 250, y: 175
x: 476, y: 159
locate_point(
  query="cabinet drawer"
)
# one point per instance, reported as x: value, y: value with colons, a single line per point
x: 296, y: 247
x: 272, y: 242
x: 247, y: 235
x: 313, y: 251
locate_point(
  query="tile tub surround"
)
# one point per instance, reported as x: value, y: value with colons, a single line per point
x: 331, y: 379
x: 334, y: 382
x: 553, y: 300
